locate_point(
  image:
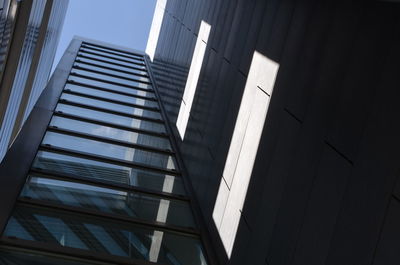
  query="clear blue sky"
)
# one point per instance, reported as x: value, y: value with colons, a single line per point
x: 121, y: 22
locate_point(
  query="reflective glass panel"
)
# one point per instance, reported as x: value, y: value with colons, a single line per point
x: 111, y: 133
x: 24, y: 257
x: 111, y: 151
x: 109, y: 172
x: 104, y: 236
x: 114, y: 87
x: 112, y: 106
x: 111, y: 118
x: 89, y: 46
x: 122, y: 81
x: 96, y: 57
x: 109, y: 95
x: 117, y: 67
x: 113, y: 71
x: 112, y: 55
x: 132, y: 204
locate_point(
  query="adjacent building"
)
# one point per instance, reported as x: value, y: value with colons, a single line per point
x: 29, y: 35
x: 286, y: 115
x: 93, y: 176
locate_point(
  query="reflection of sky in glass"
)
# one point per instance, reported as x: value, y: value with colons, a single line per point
x: 111, y: 118
x: 110, y: 95
x: 112, y: 106
x: 109, y: 150
x: 74, y: 185
x: 114, y: 87
x: 109, y: 132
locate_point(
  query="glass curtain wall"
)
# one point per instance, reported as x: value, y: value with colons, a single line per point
x: 105, y: 178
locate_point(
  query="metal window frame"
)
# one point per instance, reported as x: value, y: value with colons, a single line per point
x: 110, y: 53
x: 82, y: 50
x: 112, y: 47
x: 110, y: 82
x: 70, y: 252
x: 72, y: 82
x: 107, y: 124
x: 82, y: 55
x: 68, y: 102
x: 110, y: 50
x: 107, y: 184
x: 107, y: 140
x: 101, y: 158
x: 117, y: 218
x: 112, y: 75
x: 78, y: 60
x: 69, y: 91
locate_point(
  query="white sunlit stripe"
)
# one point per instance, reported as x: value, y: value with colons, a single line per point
x: 243, y: 148
x: 193, y: 78
x: 155, y: 28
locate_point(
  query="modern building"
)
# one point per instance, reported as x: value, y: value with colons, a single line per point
x: 93, y: 176
x: 286, y: 117
x: 29, y: 35
x: 252, y: 132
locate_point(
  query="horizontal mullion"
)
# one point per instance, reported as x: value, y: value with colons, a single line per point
x: 73, y: 82
x: 110, y: 141
x: 111, y: 68
x: 111, y: 57
x: 76, y: 253
x: 117, y: 126
x: 115, y: 217
x: 64, y: 101
x: 110, y: 82
x: 47, y: 147
x: 108, y: 74
x: 69, y: 91
x: 135, y: 57
x: 82, y: 55
x: 107, y: 184
x: 113, y: 49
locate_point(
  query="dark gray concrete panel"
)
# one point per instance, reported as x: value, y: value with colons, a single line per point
x: 388, y: 250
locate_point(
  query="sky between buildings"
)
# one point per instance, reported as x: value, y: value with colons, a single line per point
x: 121, y: 22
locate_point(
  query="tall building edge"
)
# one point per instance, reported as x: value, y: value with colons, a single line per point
x: 114, y: 172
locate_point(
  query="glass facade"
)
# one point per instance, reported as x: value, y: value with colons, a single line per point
x: 105, y: 179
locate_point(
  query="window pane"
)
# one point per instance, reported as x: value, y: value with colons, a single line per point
x: 113, y: 72
x: 96, y: 62
x: 113, y: 55
x: 106, y: 236
x: 118, y: 88
x: 137, y: 56
x: 111, y: 118
x: 113, y: 96
x: 133, y: 204
x: 23, y: 257
x: 112, y: 106
x: 114, y: 79
x: 111, y: 133
x: 96, y: 170
x: 109, y: 150
x: 96, y: 57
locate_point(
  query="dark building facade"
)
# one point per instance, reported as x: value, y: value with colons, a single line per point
x: 93, y: 176
x: 286, y: 117
x: 29, y: 35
